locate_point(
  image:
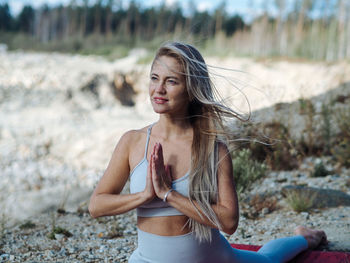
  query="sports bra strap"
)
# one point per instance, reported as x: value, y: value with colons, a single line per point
x: 147, y: 140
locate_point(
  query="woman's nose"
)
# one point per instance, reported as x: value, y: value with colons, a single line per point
x: 160, y: 88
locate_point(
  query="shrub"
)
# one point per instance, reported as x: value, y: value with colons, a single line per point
x: 275, y: 147
x: 341, y: 149
x: 246, y: 170
x: 259, y: 204
x: 302, y: 105
x: 300, y: 201
x: 27, y: 225
x: 343, y: 120
x: 309, y: 127
x: 3, y: 220
x: 320, y: 170
x: 326, y: 128
x: 59, y: 230
x: 341, y: 152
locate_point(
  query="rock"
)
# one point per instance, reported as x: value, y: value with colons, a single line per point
x: 123, y: 89
x: 103, y: 249
x: 265, y: 211
x: 59, y: 237
x: 62, y: 252
x: 3, y: 48
x: 4, y: 257
x: 322, y: 198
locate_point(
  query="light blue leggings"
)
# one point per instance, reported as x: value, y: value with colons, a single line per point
x: 186, y: 249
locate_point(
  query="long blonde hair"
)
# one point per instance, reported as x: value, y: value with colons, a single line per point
x: 207, y: 114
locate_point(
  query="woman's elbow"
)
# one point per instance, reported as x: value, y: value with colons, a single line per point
x: 92, y: 208
x: 230, y: 226
x: 230, y: 229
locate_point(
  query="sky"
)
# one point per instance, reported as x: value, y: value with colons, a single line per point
x: 242, y: 7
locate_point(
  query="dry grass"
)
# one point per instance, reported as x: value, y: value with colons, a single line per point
x: 300, y: 201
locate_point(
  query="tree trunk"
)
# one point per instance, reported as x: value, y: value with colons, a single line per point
x: 97, y: 20
x: 341, y: 29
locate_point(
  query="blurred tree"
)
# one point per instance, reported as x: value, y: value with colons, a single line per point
x: 83, y: 18
x: 304, y: 7
x: 6, y: 19
x: 42, y: 23
x: 25, y: 19
x: 232, y: 24
x: 108, y: 23
x: 97, y: 17
x: 118, y: 21
x: 341, y: 29
x: 280, y: 41
x: 132, y: 19
x: 220, y: 16
x: 70, y: 17
x: 313, y: 28
x: 162, y: 17
x: 347, y: 48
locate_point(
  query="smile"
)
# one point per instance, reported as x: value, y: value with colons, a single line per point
x: 159, y: 100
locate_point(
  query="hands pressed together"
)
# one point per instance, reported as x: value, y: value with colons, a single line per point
x: 158, y: 180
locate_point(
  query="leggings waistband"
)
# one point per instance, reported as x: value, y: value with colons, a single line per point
x: 158, y: 247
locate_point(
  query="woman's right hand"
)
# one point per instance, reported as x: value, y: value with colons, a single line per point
x: 149, y: 193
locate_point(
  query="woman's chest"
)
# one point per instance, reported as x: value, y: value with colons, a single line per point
x: 175, y: 154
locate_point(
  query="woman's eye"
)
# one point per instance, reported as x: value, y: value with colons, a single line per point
x: 153, y: 78
x: 172, y: 82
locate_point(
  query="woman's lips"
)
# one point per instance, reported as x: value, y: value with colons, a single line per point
x: 159, y: 100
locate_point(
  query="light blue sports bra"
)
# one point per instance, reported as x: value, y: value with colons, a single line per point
x: 138, y: 183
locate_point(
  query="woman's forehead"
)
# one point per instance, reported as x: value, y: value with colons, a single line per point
x: 167, y: 65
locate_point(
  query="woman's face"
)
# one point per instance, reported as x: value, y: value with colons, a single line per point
x: 167, y: 88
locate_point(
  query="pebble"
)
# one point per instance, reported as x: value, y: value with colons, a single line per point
x: 4, y: 257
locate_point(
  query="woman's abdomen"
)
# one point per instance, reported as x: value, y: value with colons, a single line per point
x: 164, y: 225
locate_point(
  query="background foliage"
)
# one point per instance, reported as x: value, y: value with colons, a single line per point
x: 314, y: 29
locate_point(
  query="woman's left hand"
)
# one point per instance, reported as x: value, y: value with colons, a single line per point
x: 161, y: 175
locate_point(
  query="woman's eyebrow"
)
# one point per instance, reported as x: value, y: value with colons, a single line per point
x: 172, y: 77
x: 167, y: 77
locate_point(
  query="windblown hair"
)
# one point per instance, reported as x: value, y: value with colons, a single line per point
x: 207, y: 114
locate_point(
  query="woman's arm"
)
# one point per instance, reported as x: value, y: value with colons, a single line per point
x: 106, y: 199
x: 226, y: 207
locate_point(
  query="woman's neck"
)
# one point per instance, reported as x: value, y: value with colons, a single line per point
x: 173, y: 128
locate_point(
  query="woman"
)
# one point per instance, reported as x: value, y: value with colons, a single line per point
x: 182, y: 183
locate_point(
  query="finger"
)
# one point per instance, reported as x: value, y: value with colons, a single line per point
x: 153, y: 168
x: 156, y: 154
x: 149, y: 182
x: 160, y: 153
x: 149, y: 170
x: 168, y: 172
x: 154, y: 148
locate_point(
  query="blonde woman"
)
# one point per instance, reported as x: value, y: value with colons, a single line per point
x: 181, y: 175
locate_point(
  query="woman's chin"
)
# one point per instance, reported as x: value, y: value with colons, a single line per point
x: 159, y: 111
x: 159, y: 108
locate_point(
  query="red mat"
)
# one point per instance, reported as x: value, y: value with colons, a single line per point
x: 309, y: 256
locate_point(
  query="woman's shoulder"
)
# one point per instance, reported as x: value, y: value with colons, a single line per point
x: 134, y: 136
x: 223, y: 150
x: 222, y: 145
